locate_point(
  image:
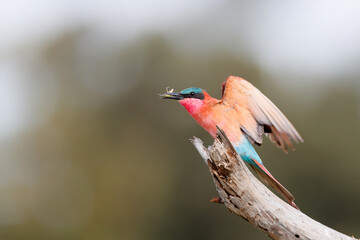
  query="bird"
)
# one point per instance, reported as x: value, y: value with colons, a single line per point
x: 245, y: 114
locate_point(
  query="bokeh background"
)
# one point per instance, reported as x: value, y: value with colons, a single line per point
x: 88, y: 151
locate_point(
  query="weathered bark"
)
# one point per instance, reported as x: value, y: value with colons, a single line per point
x: 244, y: 195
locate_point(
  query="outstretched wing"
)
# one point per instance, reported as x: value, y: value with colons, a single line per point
x: 257, y: 114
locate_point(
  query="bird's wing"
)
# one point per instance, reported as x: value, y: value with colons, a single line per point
x: 239, y: 93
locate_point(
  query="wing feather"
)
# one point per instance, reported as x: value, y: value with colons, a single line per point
x: 237, y: 91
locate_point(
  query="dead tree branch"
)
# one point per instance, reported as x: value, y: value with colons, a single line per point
x: 244, y: 195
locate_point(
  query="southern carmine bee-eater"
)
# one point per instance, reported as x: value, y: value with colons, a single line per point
x: 245, y: 114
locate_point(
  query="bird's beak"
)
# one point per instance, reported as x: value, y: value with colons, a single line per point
x: 172, y: 95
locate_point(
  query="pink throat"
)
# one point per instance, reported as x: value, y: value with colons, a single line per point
x: 192, y: 105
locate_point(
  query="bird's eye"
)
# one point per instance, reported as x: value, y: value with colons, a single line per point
x: 192, y: 94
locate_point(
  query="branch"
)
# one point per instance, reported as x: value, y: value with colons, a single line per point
x: 244, y: 195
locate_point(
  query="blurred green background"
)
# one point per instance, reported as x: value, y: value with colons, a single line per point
x: 88, y: 151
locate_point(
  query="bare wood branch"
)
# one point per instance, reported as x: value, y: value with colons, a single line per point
x: 244, y: 195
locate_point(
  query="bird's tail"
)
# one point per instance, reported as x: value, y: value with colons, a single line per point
x: 266, y: 176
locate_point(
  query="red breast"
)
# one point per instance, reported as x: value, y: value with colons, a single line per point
x: 202, y: 111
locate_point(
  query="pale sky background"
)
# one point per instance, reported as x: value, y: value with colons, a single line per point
x: 307, y: 38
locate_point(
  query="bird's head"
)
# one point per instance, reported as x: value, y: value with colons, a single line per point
x: 193, y: 92
x: 191, y: 98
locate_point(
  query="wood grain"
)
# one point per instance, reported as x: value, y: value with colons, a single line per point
x: 244, y: 195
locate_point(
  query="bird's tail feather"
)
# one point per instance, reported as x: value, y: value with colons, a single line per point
x: 266, y: 176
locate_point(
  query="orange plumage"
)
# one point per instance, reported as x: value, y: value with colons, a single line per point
x: 245, y: 114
